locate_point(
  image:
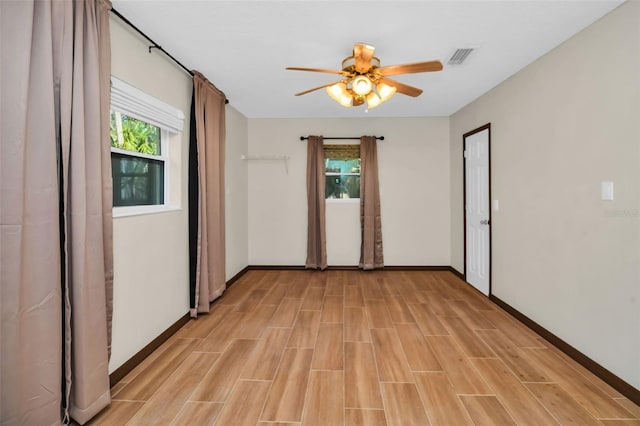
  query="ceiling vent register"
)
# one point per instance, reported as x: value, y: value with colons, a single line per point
x: 459, y: 56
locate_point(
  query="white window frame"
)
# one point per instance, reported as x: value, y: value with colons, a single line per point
x: 119, y: 211
x: 137, y: 104
x: 342, y: 200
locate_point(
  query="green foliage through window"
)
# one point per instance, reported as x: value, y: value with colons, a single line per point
x: 134, y: 135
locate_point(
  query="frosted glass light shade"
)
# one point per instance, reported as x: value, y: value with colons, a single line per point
x: 361, y: 85
x: 338, y: 92
x: 385, y: 91
x: 373, y: 100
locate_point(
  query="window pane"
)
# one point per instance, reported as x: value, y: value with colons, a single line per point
x: 342, y: 178
x: 134, y: 135
x: 342, y: 186
x: 342, y: 166
x: 137, y: 181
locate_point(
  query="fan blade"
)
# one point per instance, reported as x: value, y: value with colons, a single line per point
x: 318, y: 70
x: 317, y: 88
x: 411, y: 68
x: 362, y: 53
x: 402, y: 88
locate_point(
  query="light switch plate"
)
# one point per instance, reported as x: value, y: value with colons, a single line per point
x: 606, y: 190
x: 496, y: 205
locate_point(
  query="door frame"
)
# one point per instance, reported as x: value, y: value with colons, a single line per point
x: 464, y: 200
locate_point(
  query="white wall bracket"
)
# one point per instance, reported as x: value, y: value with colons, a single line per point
x: 284, y: 158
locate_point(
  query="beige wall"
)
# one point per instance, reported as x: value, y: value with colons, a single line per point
x: 414, y: 189
x: 561, y: 256
x: 151, y: 290
x: 236, y: 199
x: 150, y: 251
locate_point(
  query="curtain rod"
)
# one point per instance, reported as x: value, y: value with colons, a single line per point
x: 154, y: 44
x: 304, y: 138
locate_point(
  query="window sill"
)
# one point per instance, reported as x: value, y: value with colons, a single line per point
x: 142, y: 210
x: 342, y: 200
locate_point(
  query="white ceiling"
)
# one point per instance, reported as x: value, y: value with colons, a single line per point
x: 243, y: 47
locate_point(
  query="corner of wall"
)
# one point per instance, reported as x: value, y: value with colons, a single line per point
x: 236, y: 192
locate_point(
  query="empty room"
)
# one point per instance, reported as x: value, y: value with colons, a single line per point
x: 330, y: 213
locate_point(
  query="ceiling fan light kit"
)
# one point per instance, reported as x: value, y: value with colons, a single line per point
x: 374, y: 95
x: 366, y: 81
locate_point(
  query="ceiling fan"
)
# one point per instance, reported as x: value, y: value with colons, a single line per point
x: 365, y: 80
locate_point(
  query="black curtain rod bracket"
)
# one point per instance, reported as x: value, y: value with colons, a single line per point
x: 154, y: 45
x: 304, y: 138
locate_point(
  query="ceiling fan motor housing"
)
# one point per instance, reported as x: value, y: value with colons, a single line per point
x: 349, y: 64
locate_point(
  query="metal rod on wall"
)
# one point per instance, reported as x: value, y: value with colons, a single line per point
x: 154, y: 44
x: 304, y: 138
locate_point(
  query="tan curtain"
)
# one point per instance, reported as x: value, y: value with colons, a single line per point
x: 87, y: 196
x: 209, y: 113
x: 316, y: 235
x: 56, y: 211
x: 31, y: 349
x: 370, y: 221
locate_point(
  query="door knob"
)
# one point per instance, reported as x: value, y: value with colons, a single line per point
x: 484, y: 222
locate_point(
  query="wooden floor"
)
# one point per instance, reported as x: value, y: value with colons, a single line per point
x: 360, y: 348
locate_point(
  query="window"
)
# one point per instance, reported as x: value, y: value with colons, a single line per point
x: 137, y: 161
x: 141, y: 127
x: 342, y: 171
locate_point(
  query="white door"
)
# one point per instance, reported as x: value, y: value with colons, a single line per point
x: 478, y: 250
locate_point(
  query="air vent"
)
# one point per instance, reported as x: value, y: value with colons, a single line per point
x: 459, y: 56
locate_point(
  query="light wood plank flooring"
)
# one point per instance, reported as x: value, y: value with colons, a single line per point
x: 360, y: 348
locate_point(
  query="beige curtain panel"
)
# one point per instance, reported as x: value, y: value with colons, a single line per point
x: 55, y: 212
x: 209, y: 111
x: 370, y: 220
x: 316, y: 234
